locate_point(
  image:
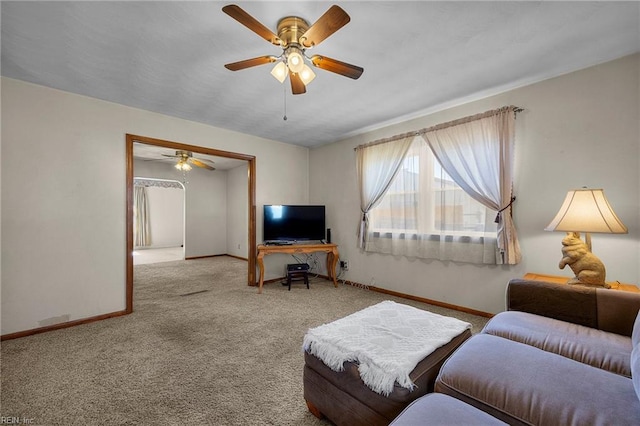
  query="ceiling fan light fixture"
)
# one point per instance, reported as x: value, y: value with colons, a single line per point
x: 279, y: 72
x: 183, y: 166
x: 295, y: 60
x: 307, y: 75
x: 295, y: 36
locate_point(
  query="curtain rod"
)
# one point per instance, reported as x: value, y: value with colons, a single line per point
x: 468, y: 119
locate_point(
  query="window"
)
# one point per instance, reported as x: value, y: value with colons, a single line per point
x: 424, y: 200
x: 411, y: 207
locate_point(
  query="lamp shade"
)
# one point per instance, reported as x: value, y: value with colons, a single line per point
x: 586, y: 210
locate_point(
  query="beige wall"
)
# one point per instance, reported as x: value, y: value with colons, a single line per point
x: 237, y: 212
x: 580, y: 129
x: 63, y: 242
x: 166, y: 217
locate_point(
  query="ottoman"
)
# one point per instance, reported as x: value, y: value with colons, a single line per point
x: 344, y: 398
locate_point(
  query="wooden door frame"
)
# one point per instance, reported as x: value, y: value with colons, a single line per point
x: 251, y: 171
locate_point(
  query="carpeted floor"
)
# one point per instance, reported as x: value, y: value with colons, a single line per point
x: 201, y: 348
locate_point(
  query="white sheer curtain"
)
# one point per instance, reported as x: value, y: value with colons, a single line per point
x: 376, y: 166
x: 478, y: 154
x: 425, y: 214
x: 141, y: 226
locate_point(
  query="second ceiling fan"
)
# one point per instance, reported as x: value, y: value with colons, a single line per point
x: 295, y: 36
x: 186, y: 158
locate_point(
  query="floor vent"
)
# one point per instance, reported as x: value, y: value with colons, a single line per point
x: 194, y: 292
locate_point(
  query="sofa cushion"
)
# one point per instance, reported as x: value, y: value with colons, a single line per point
x: 436, y: 409
x: 635, y: 355
x: 635, y: 369
x: 591, y: 346
x: 635, y: 334
x: 521, y: 384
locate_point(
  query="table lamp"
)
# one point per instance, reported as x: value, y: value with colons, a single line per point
x: 585, y: 210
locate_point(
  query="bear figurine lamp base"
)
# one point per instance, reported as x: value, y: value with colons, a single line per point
x: 585, y: 210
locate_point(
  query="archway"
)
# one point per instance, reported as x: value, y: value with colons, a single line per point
x: 251, y: 170
x: 159, y: 218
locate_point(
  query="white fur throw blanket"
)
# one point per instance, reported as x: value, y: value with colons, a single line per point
x: 386, y: 340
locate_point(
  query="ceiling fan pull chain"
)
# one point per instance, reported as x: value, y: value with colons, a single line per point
x: 284, y: 95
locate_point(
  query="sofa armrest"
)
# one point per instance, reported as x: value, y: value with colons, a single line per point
x: 574, y: 304
x: 604, y: 309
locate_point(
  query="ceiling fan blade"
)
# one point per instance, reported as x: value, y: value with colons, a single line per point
x: 205, y: 160
x: 332, y: 20
x: 170, y: 156
x: 338, y: 67
x: 248, y: 63
x: 297, y: 86
x: 199, y: 163
x: 250, y: 22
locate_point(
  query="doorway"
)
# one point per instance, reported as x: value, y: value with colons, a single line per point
x: 159, y: 221
x: 251, y: 202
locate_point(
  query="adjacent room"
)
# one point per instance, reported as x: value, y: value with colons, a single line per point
x: 310, y: 213
x: 210, y: 220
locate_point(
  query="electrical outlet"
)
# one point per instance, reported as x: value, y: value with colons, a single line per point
x: 344, y: 264
x: 238, y: 246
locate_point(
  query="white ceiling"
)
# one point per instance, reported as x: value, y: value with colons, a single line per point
x: 418, y: 57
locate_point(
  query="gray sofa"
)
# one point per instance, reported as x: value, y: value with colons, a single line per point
x: 560, y: 355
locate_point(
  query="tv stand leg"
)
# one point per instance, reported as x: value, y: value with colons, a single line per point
x: 332, y: 261
x: 260, y: 260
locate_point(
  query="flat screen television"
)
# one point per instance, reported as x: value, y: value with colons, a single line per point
x: 293, y: 223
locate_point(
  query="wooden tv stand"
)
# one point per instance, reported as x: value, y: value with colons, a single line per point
x: 330, y: 249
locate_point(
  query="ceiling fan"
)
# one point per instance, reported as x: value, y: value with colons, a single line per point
x: 295, y: 36
x: 185, y: 159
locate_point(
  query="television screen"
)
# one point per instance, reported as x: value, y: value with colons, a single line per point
x: 293, y: 223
